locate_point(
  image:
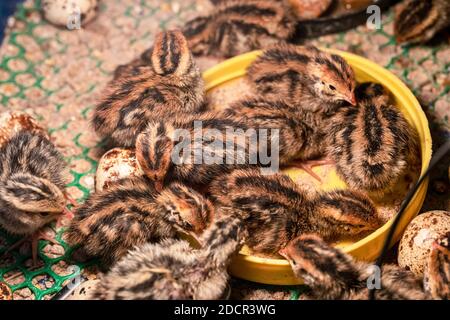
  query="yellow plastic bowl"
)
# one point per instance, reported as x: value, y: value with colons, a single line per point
x: 278, y: 271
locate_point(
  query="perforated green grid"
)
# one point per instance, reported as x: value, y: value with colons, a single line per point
x: 56, y: 75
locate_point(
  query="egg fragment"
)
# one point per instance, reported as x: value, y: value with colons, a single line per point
x: 5, y: 292
x: 421, y: 233
x: 12, y: 122
x: 117, y: 163
x: 67, y: 13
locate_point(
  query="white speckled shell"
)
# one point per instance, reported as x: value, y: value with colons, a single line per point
x: 84, y: 290
x: 415, y: 245
x: 15, y: 121
x: 61, y: 12
x: 117, y: 163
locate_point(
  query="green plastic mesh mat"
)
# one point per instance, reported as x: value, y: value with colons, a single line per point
x: 56, y: 75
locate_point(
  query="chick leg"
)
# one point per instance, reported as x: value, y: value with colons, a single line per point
x: 308, y: 165
x: 34, y: 239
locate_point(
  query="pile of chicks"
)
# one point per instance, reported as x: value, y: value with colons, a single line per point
x: 133, y: 224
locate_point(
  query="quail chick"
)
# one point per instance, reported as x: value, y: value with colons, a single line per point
x: 334, y: 275
x: 131, y: 213
x: 373, y: 144
x: 418, y: 21
x: 275, y: 210
x: 160, y: 153
x: 437, y: 272
x: 238, y: 26
x: 33, y: 176
x: 304, y: 77
x: 172, y: 85
x: 173, y: 270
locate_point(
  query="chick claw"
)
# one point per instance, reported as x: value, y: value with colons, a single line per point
x: 308, y: 165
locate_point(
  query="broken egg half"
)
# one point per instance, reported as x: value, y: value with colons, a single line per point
x: 14, y: 121
x: 116, y: 164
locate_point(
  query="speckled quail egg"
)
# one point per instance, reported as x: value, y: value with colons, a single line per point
x: 416, y: 243
x: 64, y: 13
x: 117, y: 163
x: 12, y: 122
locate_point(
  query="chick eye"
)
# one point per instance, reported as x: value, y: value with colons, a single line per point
x: 44, y: 214
x: 332, y: 87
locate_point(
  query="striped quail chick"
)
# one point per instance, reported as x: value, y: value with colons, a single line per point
x: 172, y: 270
x: 131, y: 213
x: 160, y: 155
x: 333, y: 274
x: 33, y: 175
x: 275, y: 210
x: 171, y: 86
x: 418, y: 21
x: 304, y: 77
x: 238, y: 26
x: 373, y: 144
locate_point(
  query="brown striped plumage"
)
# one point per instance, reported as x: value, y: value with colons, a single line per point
x: 372, y: 144
x: 418, y: 21
x: 170, y: 86
x: 275, y: 210
x: 238, y: 26
x: 131, y: 213
x: 437, y: 273
x: 300, y: 132
x: 172, y: 270
x: 33, y: 175
x: 303, y: 76
x: 333, y: 274
x: 160, y: 154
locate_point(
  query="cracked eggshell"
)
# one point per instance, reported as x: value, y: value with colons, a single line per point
x: 117, y: 163
x: 5, y: 292
x: 84, y: 290
x: 415, y: 245
x: 63, y: 12
x: 15, y: 121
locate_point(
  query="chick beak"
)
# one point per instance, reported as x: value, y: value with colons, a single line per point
x: 283, y: 253
x: 196, y: 238
x: 68, y: 214
x: 159, y: 185
x: 352, y: 99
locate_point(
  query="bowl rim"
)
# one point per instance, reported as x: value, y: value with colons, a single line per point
x: 226, y: 71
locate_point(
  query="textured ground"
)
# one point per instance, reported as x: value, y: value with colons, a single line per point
x: 56, y: 75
